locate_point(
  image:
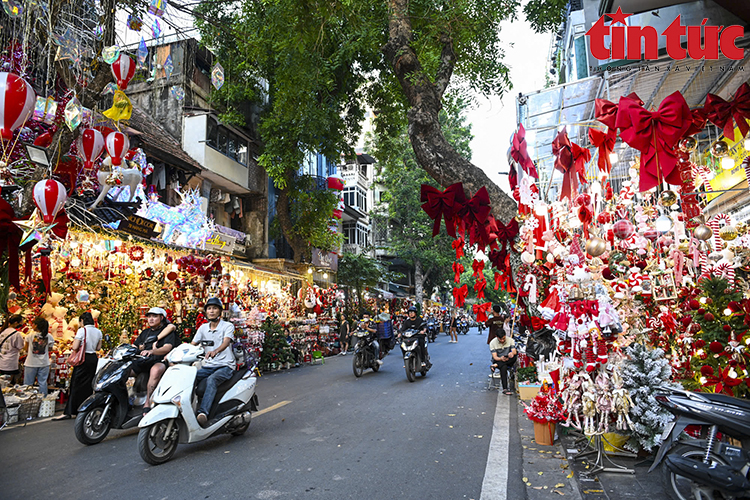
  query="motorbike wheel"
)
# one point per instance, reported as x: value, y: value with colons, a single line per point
x: 375, y: 367
x: 682, y: 488
x: 410, y: 369
x: 358, y: 364
x: 156, y: 448
x: 241, y: 430
x: 87, y: 428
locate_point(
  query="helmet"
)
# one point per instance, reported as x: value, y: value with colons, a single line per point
x: 412, y: 308
x: 157, y: 310
x: 214, y: 301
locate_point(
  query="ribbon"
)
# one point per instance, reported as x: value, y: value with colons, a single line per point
x: 506, y: 234
x: 46, y: 269
x: 498, y: 278
x: 606, y: 111
x: 700, y: 118
x: 520, y: 154
x: 442, y: 205
x: 479, y: 287
x: 10, y: 239
x: 474, y: 214
x: 504, y: 281
x: 60, y: 225
x: 606, y: 144
x: 570, y: 159
x: 458, y: 268
x: 458, y: 246
x: 459, y: 295
x: 655, y: 135
x: 722, y: 113
x: 481, y: 310
x: 477, y: 266
x: 582, y: 307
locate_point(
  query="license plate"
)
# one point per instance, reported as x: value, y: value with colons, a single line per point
x: 667, y: 430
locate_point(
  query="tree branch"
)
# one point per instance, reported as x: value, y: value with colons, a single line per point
x: 447, y: 63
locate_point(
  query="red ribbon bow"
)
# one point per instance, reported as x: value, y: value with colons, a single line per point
x: 10, y: 239
x: 606, y: 144
x: 458, y: 246
x: 655, y: 135
x: 459, y: 295
x: 481, y: 310
x: 700, y: 118
x: 520, y: 154
x: 570, y: 159
x: 606, y: 111
x: 474, y: 214
x: 477, y: 266
x: 721, y: 112
x: 581, y: 307
x: 506, y: 233
x: 479, y: 287
x: 458, y: 268
x: 442, y: 205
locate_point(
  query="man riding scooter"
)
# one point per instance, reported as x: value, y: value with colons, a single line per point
x: 415, y: 322
x: 216, y: 337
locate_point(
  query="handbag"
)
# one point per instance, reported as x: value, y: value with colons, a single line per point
x: 78, y: 357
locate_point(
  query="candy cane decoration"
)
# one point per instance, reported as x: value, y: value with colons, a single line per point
x: 714, y: 225
x: 726, y: 271
x: 530, y: 286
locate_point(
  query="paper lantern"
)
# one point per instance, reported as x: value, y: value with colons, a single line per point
x: 123, y: 70
x: 16, y: 103
x: 117, y: 146
x: 90, y: 145
x: 49, y: 197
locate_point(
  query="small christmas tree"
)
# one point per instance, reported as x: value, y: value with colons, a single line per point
x: 276, y: 350
x: 643, y: 373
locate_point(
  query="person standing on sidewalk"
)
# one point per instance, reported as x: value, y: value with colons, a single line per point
x: 344, y: 331
x: 11, y: 343
x: 38, y: 345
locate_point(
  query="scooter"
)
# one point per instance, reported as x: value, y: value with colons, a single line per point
x: 432, y: 330
x: 173, y: 418
x: 413, y: 354
x: 365, y: 354
x: 112, y: 406
x: 712, y: 467
x: 463, y: 327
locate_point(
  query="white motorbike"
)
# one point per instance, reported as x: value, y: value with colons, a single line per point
x: 172, y: 419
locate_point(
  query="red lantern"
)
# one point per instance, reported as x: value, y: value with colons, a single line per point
x: 123, y: 69
x: 90, y: 146
x: 49, y: 197
x: 117, y: 146
x: 16, y: 103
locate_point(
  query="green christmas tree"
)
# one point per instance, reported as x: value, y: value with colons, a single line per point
x: 276, y: 350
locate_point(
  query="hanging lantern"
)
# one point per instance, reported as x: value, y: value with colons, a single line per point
x: 728, y: 233
x: 49, y: 197
x: 117, y: 146
x: 688, y: 144
x: 17, y: 100
x: 703, y: 232
x: 623, y: 229
x: 123, y: 70
x: 90, y: 146
x: 719, y: 149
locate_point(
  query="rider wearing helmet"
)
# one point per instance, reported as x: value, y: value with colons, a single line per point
x: 216, y: 337
x: 154, y: 342
x: 415, y: 322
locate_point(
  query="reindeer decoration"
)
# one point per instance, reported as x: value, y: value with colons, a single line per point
x: 117, y: 178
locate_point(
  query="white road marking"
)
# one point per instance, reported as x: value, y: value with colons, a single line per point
x: 495, y: 484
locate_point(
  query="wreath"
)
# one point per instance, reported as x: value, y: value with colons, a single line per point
x: 135, y: 253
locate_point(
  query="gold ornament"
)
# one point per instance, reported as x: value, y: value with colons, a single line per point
x: 683, y: 246
x: 688, y: 144
x: 667, y: 198
x: 719, y: 149
x: 114, y: 178
x: 596, y: 246
x: 703, y: 232
x: 728, y: 233
x: 741, y: 228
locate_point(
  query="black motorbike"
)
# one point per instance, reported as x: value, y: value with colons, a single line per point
x: 110, y: 407
x: 710, y: 467
x: 463, y: 327
x: 365, y: 354
x: 432, y: 330
x: 413, y: 362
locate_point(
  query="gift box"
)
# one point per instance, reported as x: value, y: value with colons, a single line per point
x: 528, y: 392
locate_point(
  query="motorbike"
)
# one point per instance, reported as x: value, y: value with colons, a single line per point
x: 712, y: 467
x: 173, y: 420
x: 432, y: 330
x: 112, y: 406
x: 365, y: 355
x: 463, y: 327
x: 412, y: 354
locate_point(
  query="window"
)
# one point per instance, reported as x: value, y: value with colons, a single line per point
x: 227, y: 142
x: 356, y: 233
x: 355, y: 197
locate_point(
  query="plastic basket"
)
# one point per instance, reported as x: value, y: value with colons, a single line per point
x: 47, y: 408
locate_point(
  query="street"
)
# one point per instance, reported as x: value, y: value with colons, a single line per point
x: 320, y: 433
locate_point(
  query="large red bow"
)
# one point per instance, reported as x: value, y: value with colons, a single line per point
x: 606, y: 111
x: 700, y: 118
x: 10, y: 238
x: 570, y: 159
x: 442, y: 205
x: 481, y: 311
x: 479, y: 287
x: 474, y: 214
x: 606, y: 144
x: 504, y: 282
x: 458, y: 246
x: 506, y: 233
x: 655, y: 135
x: 520, y: 154
x: 581, y: 307
x: 458, y: 268
x: 721, y: 112
x: 459, y: 295
x: 477, y: 266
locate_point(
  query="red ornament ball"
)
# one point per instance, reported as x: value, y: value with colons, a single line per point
x: 700, y: 343
x: 716, y: 347
x: 726, y: 328
x: 709, y: 300
x: 707, y: 371
x: 623, y: 229
x: 694, y: 304
x: 708, y: 316
x: 171, y: 275
x: 701, y: 312
x: 686, y: 320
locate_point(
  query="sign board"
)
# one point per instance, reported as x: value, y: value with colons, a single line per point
x: 138, y: 226
x: 219, y: 242
x: 328, y: 260
x: 727, y: 179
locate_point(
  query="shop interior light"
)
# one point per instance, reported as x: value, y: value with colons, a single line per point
x: 727, y: 163
x: 325, y: 276
x: 309, y: 270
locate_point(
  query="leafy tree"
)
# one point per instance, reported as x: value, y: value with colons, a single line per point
x: 358, y: 272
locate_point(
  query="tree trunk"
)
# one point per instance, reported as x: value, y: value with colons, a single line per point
x: 299, y: 246
x: 433, y: 152
x: 418, y: 281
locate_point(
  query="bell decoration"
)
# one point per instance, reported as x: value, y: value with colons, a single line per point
x: 703, y: 232
x: 596, y: 246
x: 719, y: 149
x: 90, y: 146
x: 688, y: 144
x: 17, y: 100
x: 49, y: 197
x: 667, y: 198
x: 117, y: 146
x: 623, y: 229
x: 728, y: 233
x: 123, y: 70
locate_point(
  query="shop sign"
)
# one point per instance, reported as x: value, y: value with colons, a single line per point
x: 219, y: 242
x: 328, y: 260
x: 727, y: 179
x: 138, y: 226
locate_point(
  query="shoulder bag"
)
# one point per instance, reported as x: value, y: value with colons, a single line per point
x: 77, y: 357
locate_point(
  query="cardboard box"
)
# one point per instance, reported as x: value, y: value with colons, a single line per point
x: 527, y: 392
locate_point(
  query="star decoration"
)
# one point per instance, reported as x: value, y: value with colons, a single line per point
x: 33, y: 228
x: 619, y: 17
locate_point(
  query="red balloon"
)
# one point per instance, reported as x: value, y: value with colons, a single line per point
x: 16, y: 103
x: 90, y: 146
x: 49, y: 197
x: 123, y: 70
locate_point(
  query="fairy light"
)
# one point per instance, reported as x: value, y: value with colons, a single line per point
x: 727, y: 312
x: 703, y: 300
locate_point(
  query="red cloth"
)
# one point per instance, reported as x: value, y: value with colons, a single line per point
x: 10, y: 239
x: 606, y: 144
x: 443, y: 205
x: 723, y: 114
x: 655, y: 135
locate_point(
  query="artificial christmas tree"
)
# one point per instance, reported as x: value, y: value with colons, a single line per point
x: 276, y: 350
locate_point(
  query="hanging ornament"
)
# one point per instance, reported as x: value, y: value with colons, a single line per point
x: 16, y: 103
x: 156, y: 28
x: 115, y: 178
x: 121, y: 108
x: 73, y: 114
x: 134, y: 22
x: 117, y: 145
x: 110, y: 88
x: 623, y: 229
x: 142, y: 53
x: 168, y: 66
x: 719, y: 149
x: 110, y: 54
x: 217, y: 76
x: 728, y: 233
x: 157, y: 7
x: 667, y: 198
x: 177, y: 92
x: 49, y: 197
x: 67, y: 47
x: 688, y: 144
x: 123, y: 70
x: 663, y: 223
x: 90, y: 145
x: 703, y: 232
x: 596, y: 246
x: 12, y: 8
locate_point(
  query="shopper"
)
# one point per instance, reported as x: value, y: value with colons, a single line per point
x: 11, y: 343
x: 38, y: 345
x: 87, y: 337
x: 344, y: 335
x: 454, y: 325
x: 504, y: 356
x: 495, y: 323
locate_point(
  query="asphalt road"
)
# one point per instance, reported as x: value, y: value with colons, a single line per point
x: 321, y: 433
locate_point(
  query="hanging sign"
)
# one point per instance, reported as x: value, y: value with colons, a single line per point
x: 138, y: 226
x: 219, y: 242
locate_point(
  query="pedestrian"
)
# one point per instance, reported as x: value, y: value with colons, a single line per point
x: 495, y: 323
x: 38, y: 345
x: 344, y: 331
x: 454, y: 325
x: 87, y: 337
x: 11, y: 343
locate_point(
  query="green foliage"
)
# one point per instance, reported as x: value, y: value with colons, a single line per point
x: 545, y: 15
x: 359, y: 272
x: 276, y: 350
